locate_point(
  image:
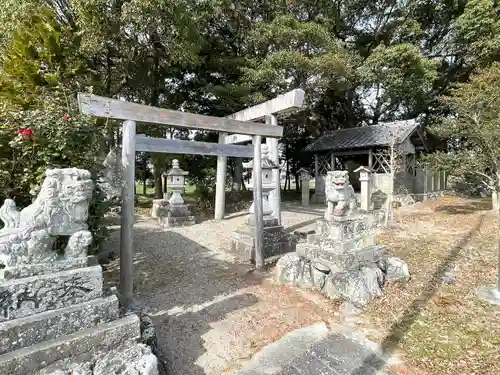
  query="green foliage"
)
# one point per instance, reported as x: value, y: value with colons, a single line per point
x: 40, y: 58
x: 402, y: 77
x: 478, y: 32
x: 473, y: 130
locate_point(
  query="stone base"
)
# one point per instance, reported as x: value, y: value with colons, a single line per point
x: 20, y: 333
x: 357, y: 285
x: 159, y: 206
x: 169, y: 222
x: 130, y: 359
x: 176, y: 216
x: 276, y: 242
x: 86, y: 344
x: 28, y: 270
x: 344, y: 260
x: 36, y: 294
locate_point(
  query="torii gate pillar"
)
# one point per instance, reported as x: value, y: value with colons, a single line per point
x: 283, y: 104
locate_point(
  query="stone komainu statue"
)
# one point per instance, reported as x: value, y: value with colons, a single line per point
x: 60, y: 209
x: 339, y: 194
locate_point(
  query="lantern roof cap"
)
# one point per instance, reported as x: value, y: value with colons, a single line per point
x: 267, y: 163
x: 176, y: 170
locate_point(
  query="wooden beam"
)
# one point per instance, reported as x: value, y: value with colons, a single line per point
x: 177, y: 146
x: 282, y: 104
x: 99, y: 106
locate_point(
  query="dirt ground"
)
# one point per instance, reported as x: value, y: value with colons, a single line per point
x: 212, y: 315
x: 436, y: 320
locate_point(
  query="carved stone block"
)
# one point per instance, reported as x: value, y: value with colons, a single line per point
x: 84, y: 344
x: 23, y: 332
x: 32, y: 295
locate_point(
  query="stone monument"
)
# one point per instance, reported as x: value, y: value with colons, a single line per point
x: 176, y: 213
x: 276, y: 242
x: 341, y: 259
x: 305, y: 176
x: 54, y: 317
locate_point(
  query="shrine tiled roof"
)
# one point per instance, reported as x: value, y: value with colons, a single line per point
x: 364, y: 137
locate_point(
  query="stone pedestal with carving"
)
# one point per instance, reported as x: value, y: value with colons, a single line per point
x: 54, y: 316
x: 341, y: 258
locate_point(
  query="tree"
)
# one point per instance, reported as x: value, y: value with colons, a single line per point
x: 473, y: 133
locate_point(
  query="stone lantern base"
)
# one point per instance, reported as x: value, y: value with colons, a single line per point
x: 176, y: 216
x: 159, y: 207
x: 276, y: 241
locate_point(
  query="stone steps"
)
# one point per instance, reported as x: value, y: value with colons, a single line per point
x: 316, y: 350
x: 84, y: 344
x: 23, y: 332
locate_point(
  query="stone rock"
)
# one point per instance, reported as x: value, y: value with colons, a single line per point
x: 67, y: 367
x: 322, y: 267
x: 358, y: 287
x: 310, y: 277
x: 130, y: 359
x: 288, y: 268
x: 396, y: 270
x: 294, y: 270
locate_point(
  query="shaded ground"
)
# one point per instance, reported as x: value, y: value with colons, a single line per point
x: 211, y: 314
x: 436, y: 320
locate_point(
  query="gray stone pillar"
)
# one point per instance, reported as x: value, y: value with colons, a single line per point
x: 305, y: 176
x: 274, y: 195
x: 220, y: 185
x: 365, y: 179
x: 238, y: 174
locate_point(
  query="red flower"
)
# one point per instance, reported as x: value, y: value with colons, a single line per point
x: 25, y: 133
x: 65, y: 117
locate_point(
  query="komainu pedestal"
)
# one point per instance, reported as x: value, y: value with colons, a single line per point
x: 54, y: 317
x: 341, y: 258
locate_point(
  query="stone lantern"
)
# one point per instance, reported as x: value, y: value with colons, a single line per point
x: 276, y: 242
x: 268, y: 183
x: 305, y: 176
x: 176, y: 178
x: 178, y: 214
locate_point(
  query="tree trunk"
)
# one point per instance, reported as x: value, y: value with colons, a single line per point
x: 496, y: 192
x: 157, y: 173
x: 144, y: 186
x: 297, y: 184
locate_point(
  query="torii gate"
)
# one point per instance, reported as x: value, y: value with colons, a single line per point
x: 282, y: 104
x: 99, y: 106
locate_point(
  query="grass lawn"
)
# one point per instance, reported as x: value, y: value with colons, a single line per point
x: 436, y: 321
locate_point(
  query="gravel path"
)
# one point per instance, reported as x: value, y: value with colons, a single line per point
x: 211, y: 314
